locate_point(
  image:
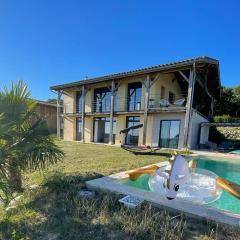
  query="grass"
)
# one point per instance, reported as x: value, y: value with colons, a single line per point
x: 54, y: 210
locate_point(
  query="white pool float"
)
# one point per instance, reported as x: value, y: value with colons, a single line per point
x: 182, y: 180
x: 200, y: 188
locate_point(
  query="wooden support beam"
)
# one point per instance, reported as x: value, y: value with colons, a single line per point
x: 184, y: 76
x: 155, y: 79
x: 200, y: 82
x: 59, y: 95
x: 208, y: 93
x: 113, y: 91
x: 147, y: 84
x: 83, y: 113
x: 191, y: 84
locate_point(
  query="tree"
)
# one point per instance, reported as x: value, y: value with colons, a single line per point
x: 25, y: 142
x: 52, y: 100
x: 229, y: 103
x: 237, y: 90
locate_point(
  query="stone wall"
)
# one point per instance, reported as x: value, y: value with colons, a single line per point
x: 232, y: 133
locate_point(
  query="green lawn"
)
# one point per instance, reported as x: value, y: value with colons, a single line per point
x: 54, y: 211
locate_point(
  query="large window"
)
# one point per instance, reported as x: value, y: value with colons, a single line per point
x: 102, y: 100
x: 78, y: 129
x: 134, y: 96
x: 102, y: 130
x: 78, y: 102
x: 169, y: 133
x: 132, y: 136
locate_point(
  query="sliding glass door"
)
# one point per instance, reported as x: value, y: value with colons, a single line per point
x: 169, y: 133
x: 102, y: 130
x: 133, y: 136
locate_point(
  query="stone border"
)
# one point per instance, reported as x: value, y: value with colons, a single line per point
x: 217, y: 155
x: 110, y: 183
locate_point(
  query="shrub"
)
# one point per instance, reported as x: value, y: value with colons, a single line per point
x: 225, y: 118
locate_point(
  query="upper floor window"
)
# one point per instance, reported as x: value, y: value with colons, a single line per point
x: 78, y: 102
x: 134, y: 96
x: 162, y: 92
x: 171, y: 97
x: 102, y: 100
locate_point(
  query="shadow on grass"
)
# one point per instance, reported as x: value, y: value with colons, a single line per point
x: 149, y: 153
x: 50, y: 212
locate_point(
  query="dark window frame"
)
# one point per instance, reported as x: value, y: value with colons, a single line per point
x: 160, y: 130
x: 78, y: 133
x: 133, y: 105
x: 78, y: 102
x: 163, y: 92
x: 101, y: 104
x: 105, y: 120
x: 127, y: 137
x: 171, y: 97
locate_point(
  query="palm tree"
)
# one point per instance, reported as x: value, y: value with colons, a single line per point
x: 25, y: 142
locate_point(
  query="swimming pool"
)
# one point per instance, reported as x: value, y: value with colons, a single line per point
x: 236, y: 152
x: 226, y: 168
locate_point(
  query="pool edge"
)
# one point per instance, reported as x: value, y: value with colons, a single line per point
x: 109, y: 183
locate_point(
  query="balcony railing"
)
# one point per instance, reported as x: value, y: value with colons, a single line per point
x: 123, y: 104
x: 171, y: 103
x: 126, y: 104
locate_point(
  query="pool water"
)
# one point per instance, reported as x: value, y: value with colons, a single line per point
x: 229, y: 169
x: 236, y: 152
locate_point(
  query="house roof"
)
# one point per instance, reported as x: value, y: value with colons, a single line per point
x: 152, y: 69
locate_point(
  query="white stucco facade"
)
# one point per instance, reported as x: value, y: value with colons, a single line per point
x: 195, y: 129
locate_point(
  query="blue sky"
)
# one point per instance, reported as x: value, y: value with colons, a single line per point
x: 51, y: 42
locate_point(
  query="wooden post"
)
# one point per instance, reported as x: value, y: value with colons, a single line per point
x: 111, y: 141
x: 146, y: 101
x: 191, y: 84
x: 83, y: 114
x: 59, y: 94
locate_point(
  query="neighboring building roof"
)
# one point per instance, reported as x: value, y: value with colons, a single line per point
x: 146, y: 70
x: 46, y: 103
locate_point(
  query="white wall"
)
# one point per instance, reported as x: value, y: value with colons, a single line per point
x: 204, y: 133
x: 194, y: 130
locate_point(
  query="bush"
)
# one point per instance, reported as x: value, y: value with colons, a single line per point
x: 225, y: 118
x: 215, y: 135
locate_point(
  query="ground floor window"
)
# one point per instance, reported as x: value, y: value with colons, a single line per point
x: 169, y: 133
x: 101, y: 130
x: 78, y: 129
x: 132, y: 136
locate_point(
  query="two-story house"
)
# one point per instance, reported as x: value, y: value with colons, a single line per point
x: 170, y: 100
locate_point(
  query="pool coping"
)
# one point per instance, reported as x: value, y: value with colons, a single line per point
x: 216, y: 154
x: 110, y: 183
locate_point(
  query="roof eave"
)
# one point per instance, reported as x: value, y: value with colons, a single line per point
x: 160, y: 68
